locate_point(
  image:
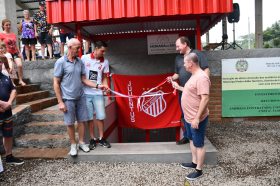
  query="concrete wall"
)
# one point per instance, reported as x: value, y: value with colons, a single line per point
x: 131, y: 57
x: 40, y: 72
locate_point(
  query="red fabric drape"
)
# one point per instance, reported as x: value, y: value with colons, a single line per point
x: 160, y: 111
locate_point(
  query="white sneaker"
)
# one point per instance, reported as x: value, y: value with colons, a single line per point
x: 84, y: 147
x: 73, y: 151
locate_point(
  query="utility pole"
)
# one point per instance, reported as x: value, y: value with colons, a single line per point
x: 259, y: 23
x: 249, y: 34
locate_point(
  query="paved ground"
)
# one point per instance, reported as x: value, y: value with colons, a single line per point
x: 249, y: 154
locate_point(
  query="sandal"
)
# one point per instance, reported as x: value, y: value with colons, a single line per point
x: 21, y: 83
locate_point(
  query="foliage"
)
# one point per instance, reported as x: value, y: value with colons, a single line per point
x: 271, y: 36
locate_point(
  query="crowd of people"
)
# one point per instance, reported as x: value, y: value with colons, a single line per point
x: 80, y: 83
x: 11, y: 68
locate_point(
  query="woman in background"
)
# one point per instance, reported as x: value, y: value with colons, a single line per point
x: 28, y: 35
x: 10, y: 39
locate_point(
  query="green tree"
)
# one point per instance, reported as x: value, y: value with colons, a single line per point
x: 271, y: 36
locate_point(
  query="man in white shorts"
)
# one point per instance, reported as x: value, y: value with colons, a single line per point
x: 69, y: 78
x: 97, y: 68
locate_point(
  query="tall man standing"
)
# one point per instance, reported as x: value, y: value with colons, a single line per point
x: 183, y: 46
x: 194, y: 103
x: 97, y: 68
x: 69, y: 78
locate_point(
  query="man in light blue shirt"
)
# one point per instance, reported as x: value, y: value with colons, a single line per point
x: 69, y: 78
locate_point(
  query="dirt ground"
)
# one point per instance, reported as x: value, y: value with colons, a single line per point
x: 248, y: 154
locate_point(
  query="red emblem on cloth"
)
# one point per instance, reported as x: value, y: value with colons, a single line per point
x: 158, y: 111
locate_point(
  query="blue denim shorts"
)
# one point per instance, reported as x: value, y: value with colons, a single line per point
x: 197, y: 135
x: 6, y: 123
x: 76, y: 109
x: 96, y: 105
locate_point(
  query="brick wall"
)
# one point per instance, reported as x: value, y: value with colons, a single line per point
x: 215, y: 103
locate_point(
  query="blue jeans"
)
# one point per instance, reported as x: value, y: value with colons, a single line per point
x: 96, y: 104
x: 76, y: 109
x: 197, y: 135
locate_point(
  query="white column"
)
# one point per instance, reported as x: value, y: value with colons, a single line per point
x: 259, y: 23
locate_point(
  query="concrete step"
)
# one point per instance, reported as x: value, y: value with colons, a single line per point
x: 43, y: 141
x: 31, y: 96
x: 27, y: 81
x: 47, y: 115
x: 56, y: 127
x: 156, y: 152
x: 27, y: 88
x: 42, y: 103
x: 46, y: 153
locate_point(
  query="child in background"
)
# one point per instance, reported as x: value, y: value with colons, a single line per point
x: 56, y: 48
x: 7, y: 70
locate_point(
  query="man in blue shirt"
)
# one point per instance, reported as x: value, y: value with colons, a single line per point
x: 7, y: 96
x: 69, y: 79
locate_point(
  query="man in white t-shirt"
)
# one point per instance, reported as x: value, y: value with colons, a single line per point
x: 97, y: 68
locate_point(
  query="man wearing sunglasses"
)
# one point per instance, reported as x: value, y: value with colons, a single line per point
x: 97, y: 68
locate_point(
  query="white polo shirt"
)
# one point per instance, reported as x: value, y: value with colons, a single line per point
x: 94, y: 72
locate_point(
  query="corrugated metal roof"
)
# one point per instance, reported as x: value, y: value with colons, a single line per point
x: 113, y: 19
x: 91, y: 10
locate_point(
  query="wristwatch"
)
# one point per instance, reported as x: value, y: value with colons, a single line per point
x: 96, y: 86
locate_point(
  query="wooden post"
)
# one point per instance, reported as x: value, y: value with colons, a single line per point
x: 79, y: 37
x: 120, y: 134
x: 147, y: 135
x: 198, y: 34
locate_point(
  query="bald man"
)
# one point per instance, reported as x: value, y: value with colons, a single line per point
x: 194, y: 103
x: 69, y: 78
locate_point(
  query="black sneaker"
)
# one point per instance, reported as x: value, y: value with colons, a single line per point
x: 182, y: 141
x: 104, y: 143
x: 2, y: 148
x: 194, y: 175
x: 92, y: 144
x: 10, y: 159
x: 188, y: 165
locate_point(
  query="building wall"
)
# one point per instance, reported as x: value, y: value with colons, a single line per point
x: 130, y: 57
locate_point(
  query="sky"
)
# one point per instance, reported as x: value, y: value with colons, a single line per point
x: 247, y: 15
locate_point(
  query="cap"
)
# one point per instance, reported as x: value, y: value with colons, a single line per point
x: 42, y: 3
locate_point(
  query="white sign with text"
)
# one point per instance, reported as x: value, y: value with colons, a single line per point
x: 162, y: 44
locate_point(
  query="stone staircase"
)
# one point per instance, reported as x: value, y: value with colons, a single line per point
x: 32, y: 96
x: 43, y: 137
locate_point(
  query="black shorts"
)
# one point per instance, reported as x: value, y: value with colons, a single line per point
x: 29, y: 41
x: 15, y: 55
x: 45, y: 38
x: 63, y: 37
x: 6, y: 123
x: 57, y: 56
